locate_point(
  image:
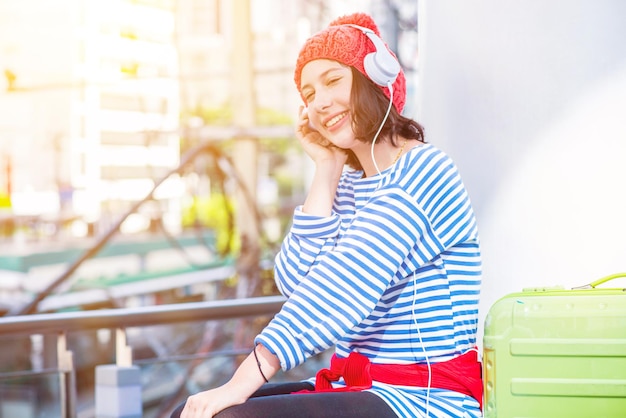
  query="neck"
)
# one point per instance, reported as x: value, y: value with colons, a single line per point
x: 385, y: 153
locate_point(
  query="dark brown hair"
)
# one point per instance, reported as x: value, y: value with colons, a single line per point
x: 369, y: 105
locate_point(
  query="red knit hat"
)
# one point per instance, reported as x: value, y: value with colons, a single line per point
x: 349, y: 46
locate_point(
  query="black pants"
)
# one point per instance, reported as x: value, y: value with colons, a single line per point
x: 274, y: 400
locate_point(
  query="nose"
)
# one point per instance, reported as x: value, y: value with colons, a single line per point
x: 321, y: 102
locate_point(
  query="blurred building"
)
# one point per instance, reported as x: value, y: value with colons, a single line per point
x: 90, y: 105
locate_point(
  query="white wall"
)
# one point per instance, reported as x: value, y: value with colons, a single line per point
x: 529, y: 98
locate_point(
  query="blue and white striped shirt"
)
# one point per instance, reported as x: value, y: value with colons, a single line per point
x: 394, y: 273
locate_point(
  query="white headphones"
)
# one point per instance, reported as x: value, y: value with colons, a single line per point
x: 380, y: 66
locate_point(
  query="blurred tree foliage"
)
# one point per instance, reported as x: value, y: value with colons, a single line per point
x: 214, y: 212
x: 217, y: 209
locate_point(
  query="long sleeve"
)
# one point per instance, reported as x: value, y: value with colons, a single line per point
x: 345, y: 284
x: 309, y: 237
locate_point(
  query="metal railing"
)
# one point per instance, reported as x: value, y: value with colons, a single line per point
x: 60, y: 324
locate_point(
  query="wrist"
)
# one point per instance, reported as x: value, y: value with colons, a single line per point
x: 235, y: 392
x: 330, y: 167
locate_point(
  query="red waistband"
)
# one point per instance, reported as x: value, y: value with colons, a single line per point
x: 461, y: 374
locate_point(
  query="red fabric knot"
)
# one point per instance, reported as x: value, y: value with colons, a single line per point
x: 355, y: 371
x: 461, y: 374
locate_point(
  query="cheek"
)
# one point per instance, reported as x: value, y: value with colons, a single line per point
x: 345, y: 94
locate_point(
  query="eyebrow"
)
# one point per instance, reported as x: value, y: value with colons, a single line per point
x: 323, y: 75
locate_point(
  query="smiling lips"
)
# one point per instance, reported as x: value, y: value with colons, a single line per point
x: 335, y: 120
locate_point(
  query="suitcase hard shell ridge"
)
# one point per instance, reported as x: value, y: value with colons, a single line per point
x: 552, y: 352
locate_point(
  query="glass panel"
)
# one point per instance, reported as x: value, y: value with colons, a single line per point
x: 30, y: 396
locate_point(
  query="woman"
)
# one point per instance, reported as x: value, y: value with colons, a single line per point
x: 382, y: 260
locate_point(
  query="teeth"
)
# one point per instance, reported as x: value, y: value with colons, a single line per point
x: 335, y: 120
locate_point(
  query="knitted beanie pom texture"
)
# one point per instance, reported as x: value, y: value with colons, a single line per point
x: 349, y: 46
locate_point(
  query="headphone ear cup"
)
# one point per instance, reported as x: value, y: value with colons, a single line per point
x: 381, y: 67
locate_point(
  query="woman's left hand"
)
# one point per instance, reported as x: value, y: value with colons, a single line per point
x: 208, y: 403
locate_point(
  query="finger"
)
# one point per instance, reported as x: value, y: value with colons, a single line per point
x: 302, y: 115
x: 187, y: 412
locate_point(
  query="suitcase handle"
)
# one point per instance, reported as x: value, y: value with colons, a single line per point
x: 598, y: 282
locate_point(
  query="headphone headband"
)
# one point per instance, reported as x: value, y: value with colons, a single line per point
x: 380, y: 66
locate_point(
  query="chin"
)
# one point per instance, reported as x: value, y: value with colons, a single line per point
x: 344, y: 140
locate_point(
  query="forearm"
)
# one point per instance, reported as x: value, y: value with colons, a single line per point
x: 247, y: 379
x: 250, y: 376
x: 319, y: 200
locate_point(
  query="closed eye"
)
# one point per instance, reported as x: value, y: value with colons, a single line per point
x: 308, y: 95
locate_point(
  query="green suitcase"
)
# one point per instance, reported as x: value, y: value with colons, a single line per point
x: 551, y: 352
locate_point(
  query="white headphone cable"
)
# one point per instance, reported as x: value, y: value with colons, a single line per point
x: 419, y: 335
x: 380, y: 128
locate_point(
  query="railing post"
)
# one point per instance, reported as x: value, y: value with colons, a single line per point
x: 123, y: 352
x: 65, y: 360
x: 118, y: 386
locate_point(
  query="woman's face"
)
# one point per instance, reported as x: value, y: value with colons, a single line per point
x: 326, y: 87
